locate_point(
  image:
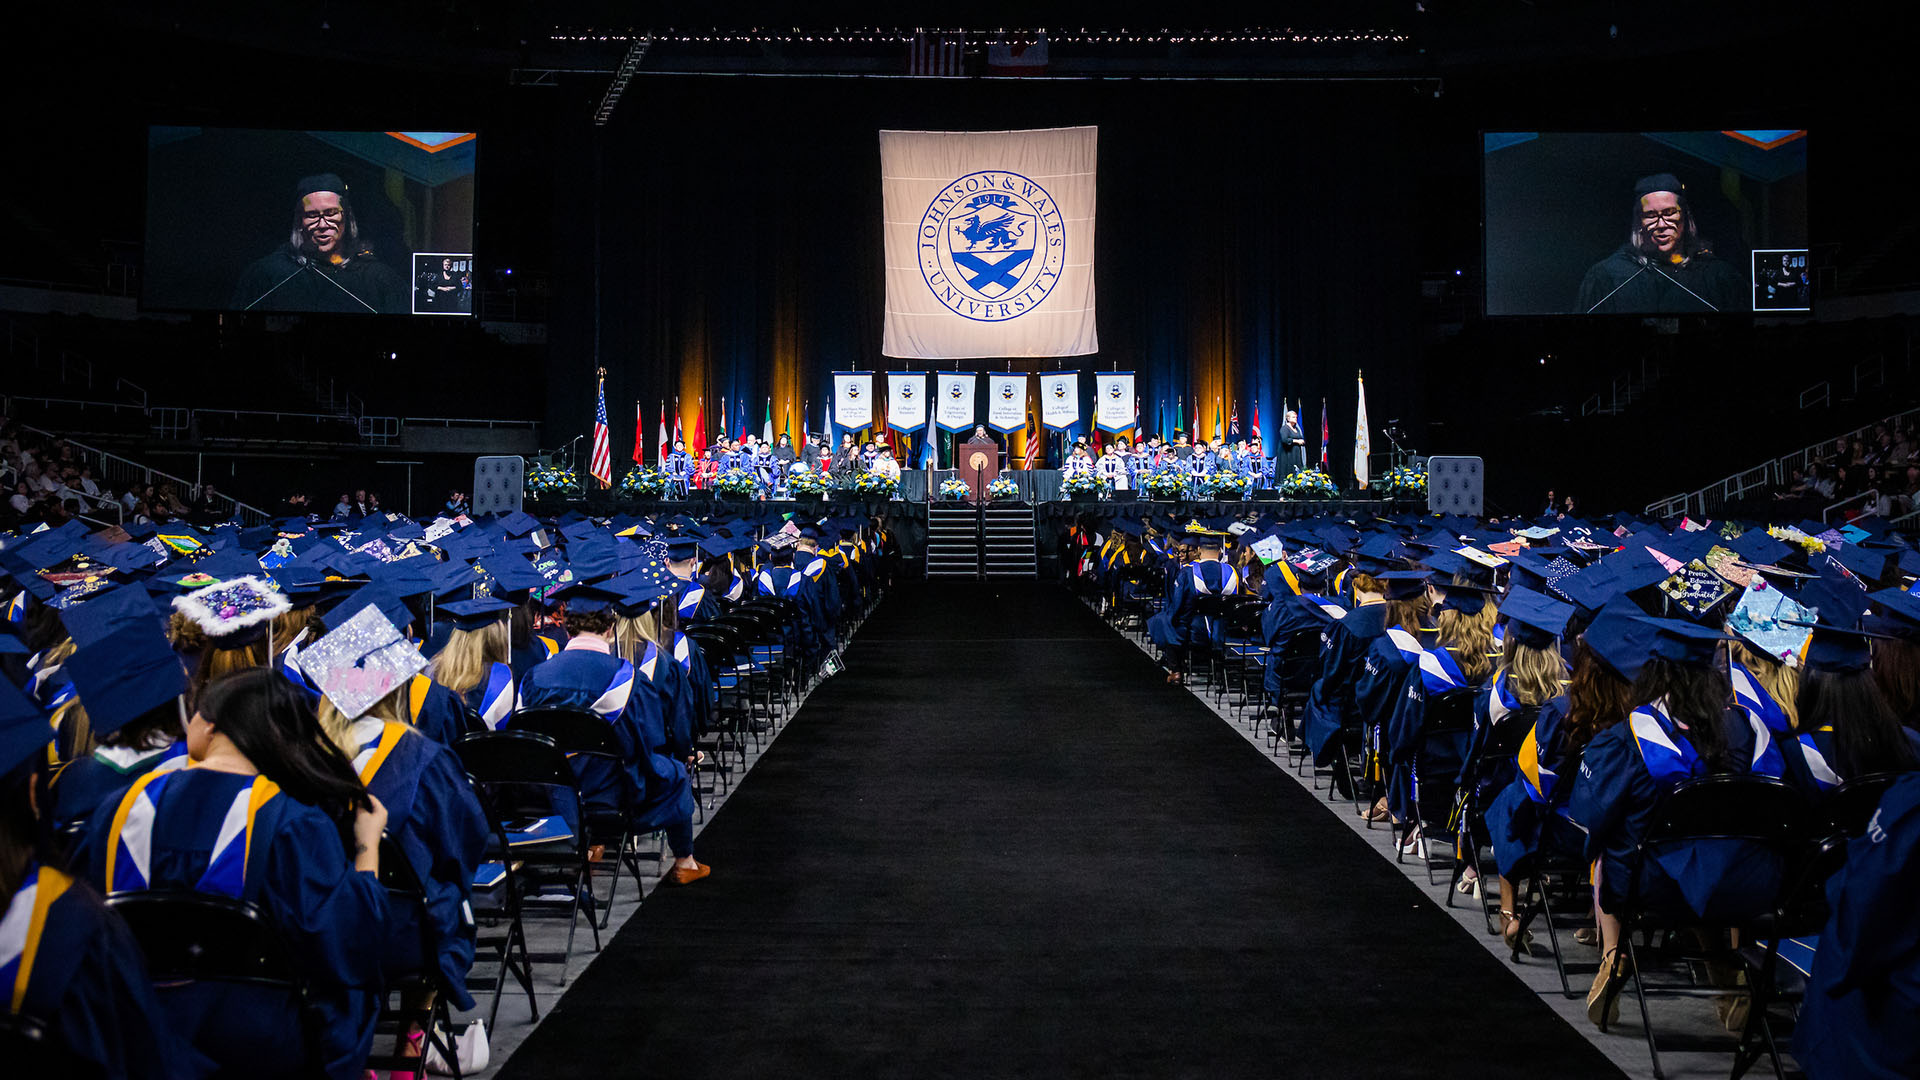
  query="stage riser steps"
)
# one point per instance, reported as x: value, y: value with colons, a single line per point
x: 994, y: 543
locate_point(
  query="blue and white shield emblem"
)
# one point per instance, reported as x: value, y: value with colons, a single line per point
x: 991, y: 246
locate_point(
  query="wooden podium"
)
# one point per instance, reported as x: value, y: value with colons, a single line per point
x: 978, y: 463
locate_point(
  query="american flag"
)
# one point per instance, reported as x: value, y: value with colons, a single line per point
x: 601, y: 464
x: 935, y: 54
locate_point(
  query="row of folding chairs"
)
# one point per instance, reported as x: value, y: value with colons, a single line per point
x: 1662, y: 952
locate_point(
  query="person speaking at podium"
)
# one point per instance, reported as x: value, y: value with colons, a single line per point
x: 1665, y: 266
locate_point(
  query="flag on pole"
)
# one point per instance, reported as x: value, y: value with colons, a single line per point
x: 699, y: 428
x: 929, y: 454
x: 722, y: 428
x: 1197, y: 436
x: 1032, y: 434
x: 1256, y: 421
x: 639, y: 437
x: 806, y: 419
x: 600, y: 464
x: 1326, y: 433
x: 662, y: 441
x: 1233, y: 422
x: 1362, y: 437
x: 766, y: 426
x: 678, y: 432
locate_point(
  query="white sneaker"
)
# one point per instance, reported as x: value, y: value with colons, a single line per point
x: 470, y: 1049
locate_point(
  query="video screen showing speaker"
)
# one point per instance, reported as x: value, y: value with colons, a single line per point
x: 354, y: 222
x: 1645, y: 223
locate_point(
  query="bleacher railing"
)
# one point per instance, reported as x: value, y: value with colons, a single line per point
x: 121, y: 473
x: 1709, y: 501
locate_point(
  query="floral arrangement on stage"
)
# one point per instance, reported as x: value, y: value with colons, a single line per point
x: 736, y: 481
x: 875, y: 482
x: 954, y: 488
x: 808, y: 482
x: 548, y: 480
x: 1229, y: 484
x: 1003, y: 488
x: 644, y: 480
x: 1083, y: 483
x: 1402, y: 482
x: 1166, y: 482
x: 1309, y: 484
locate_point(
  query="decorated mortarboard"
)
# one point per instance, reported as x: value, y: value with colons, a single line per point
x: 360, y: 661
x: 586, y: 599
x: 510, y: 574
x: 1590, y: 589
x: 108, y: 611
x: 1726, y: 562
x: 1771, y: 621
x: 24, y: 731
x: 1402, y: 584
x: 476, y: 614
x: 125, y: 675
x: 1312, y: 562
x: 1870, y: 564
x: 553, y: 569
x: 1757, y: 548
x: 1534, y: 619
x: 1696, y: 589
x: 233, y: 613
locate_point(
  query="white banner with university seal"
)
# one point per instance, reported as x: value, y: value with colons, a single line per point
x: 1007, y: 402
x: 989, y: 243
x: 1115, y: 408
x: 906, y: 400
x: 955, y: 409
x: 1059, y: 399
x: 853, y: 398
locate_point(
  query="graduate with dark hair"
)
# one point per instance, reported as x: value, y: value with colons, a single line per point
x: 307, y: 855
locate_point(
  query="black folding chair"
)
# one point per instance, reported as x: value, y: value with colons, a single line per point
x: 405, y: 892
x: 584, y: 734
x: 1802, y: 912
x: 190, y: 938
x: 525, y: 776
x: 1765, y: 815
x: 496, y: 903
x: 1444, y: 735
x: 1847, y: 808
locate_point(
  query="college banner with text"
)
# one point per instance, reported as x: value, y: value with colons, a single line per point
x: 1115, y: 408
x: 1007, y: 402
x: 853, y: 398
x: 1060, y: 399
x: 906, y: 400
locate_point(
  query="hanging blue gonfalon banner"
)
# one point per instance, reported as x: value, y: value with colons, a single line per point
x: 1059, y: 399
x: 1115, y: 409
x: 953, y: 405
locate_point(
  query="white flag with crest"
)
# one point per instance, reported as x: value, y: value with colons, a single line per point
x: 989, y: 242
x: 1060, y: 398
x: 906, y: 400
x: 853, y: 398
x: 1114, y: 406
x: 1007, y: 402
x: 954, y: 412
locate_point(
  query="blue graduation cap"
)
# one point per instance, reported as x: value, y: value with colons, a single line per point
x: 24, y: 731
x: 586, y: 598
x: 1684, y: 642
x: 110, y: 610
x: 406, y: 578
x: 1621, y: 638
x: 511, y: 574
x: 1403, y: 584
x: 453, y: 580
x: 467, y: 544
x: 390, y: 606
x: 1756, y: 547
x: 125, y: 675
x: 1896, y: 613
x: 519, y: 523
x: 477, y: 614
x: 1840, y: 602
x: 1837, y: 651
x: 1534, y: 619
x: 1871, y: 564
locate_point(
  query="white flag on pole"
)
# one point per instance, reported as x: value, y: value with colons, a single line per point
x: 1115, y: 409
x: 1362, y: 438
x: 853, y: 398
x: 989, y: 242
x: 955, y: 409
x: 1007, y: 402
x: 906, y: 400
x: 1059, y: 399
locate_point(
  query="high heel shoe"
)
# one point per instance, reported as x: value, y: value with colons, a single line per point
x: 1603, y: 1000
x: 1518, y: 943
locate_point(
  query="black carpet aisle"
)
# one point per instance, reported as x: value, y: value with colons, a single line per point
x: 1000, y: 845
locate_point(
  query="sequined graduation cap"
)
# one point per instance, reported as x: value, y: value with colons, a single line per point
x: 361, y: 661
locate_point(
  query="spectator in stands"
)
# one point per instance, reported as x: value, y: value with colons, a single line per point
x: 167, y: 500
x: 87, y: 483
x: 373, y: 503
x: 1902, y: 449
x: 343, y: 508
x: 359, y: 507
x: 210, y: 507
x: 295, y: 505
x: 1907, y: 490
x: 456, y: 504
x: 21, y: 499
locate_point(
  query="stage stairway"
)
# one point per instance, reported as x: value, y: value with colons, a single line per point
x: 986, y: 542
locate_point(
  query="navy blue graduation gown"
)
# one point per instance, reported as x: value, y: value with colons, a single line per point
x: 1284, y: 619
x: 291, y: 863
x: 1180, y: 625
x: 1862, y: 1008
x: 1411, y: 755
x: 85, y: 980
x: 1330, y: 700
x: 106, y: 774
x: 437, y: 711
x: 653, y: 779
x: 1623, y: 773
x: 436, y: 820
